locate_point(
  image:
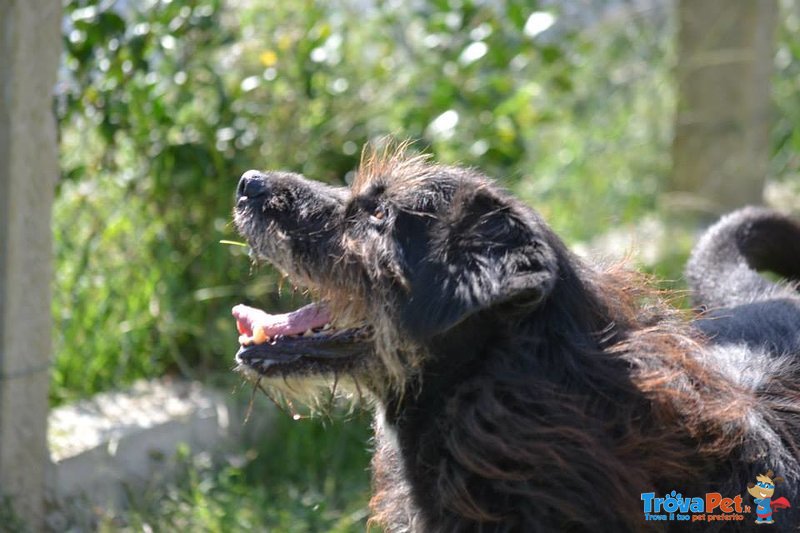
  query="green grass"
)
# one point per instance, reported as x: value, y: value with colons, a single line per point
x: 10, y: 521
x: 301, y: 476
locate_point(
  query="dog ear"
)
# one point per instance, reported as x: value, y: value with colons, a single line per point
x: 486, y: 252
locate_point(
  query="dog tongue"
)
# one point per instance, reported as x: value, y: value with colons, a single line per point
x: 259, y: 325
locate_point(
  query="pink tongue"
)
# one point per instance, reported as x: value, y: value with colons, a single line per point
x: 305, y: 318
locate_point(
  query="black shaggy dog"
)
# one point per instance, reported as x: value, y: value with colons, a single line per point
x: 516, y: 388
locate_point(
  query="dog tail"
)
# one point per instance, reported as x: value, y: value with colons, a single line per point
x: 724, y: 267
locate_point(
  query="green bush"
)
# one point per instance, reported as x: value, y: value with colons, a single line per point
x: 163, y: 105
x: 785, y: 134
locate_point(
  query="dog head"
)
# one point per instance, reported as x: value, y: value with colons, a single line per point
x: 408, y: 256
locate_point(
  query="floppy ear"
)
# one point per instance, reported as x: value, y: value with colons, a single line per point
x: 485, y: 253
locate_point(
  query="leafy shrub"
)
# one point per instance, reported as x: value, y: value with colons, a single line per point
x: 163, y: 104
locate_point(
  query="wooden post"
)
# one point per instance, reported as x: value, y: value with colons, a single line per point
x: 30, y: 45
x: 725, y: 58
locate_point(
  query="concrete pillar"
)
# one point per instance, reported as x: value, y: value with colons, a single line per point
x: 30, y: 45
x: 721, y: 148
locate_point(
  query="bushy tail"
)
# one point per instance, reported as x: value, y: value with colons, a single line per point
x: 723, y: 269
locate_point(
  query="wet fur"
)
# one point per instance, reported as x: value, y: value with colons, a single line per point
x: 517, y: 388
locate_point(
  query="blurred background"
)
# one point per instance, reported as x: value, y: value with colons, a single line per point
x: 583, y: 108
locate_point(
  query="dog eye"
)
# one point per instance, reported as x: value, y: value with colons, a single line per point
x: 379, y: 213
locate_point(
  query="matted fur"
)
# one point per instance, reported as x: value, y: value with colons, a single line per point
x: 515, y: 387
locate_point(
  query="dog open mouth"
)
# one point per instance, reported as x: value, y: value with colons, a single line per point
x: 305, y: 341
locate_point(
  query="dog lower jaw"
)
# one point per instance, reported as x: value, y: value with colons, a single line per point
x: 329, y: 352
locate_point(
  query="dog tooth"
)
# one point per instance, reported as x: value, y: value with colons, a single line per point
x: 307, y: 333
x: 326, y: 327
x: 259, y: 335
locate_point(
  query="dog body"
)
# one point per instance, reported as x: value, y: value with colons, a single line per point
x: 516, y: 388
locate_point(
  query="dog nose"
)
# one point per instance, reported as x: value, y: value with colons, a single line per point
x: 252, y: 184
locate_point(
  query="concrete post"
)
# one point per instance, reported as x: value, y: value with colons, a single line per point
x: 721, y: 149
x: 30, y: 45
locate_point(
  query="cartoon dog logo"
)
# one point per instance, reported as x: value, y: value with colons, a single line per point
x: 762, y: 492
